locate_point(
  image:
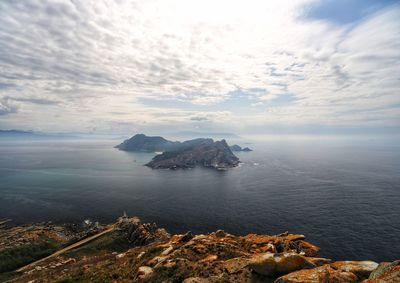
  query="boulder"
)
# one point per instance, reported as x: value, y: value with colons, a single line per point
x: 186, y: 237
x: 308, y: 248
x: 385, y: 272
x: 145, y: 272
x: 362, y: 269
x: 220, y: 233
x: 323, y: 273
x: 234, y: 265
x: 270, y: 264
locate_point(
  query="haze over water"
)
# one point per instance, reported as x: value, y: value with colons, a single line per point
x: 342, y: 193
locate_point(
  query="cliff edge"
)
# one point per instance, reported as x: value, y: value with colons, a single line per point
x: 132, y: 251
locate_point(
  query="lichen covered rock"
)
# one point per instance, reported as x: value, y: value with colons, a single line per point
x: 141, y: 252
x: 270, y: 264
x: 323, y: 273
x: 385, y: 272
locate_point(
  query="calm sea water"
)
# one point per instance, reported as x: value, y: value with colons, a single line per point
x: 343, y: 194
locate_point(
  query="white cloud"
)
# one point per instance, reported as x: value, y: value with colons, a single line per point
x: 6, y: 107
x: 95, y: 59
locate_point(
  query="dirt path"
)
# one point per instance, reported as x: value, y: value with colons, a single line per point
x: 75, y: 245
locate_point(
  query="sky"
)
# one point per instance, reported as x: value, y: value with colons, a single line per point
x: 246, y: 66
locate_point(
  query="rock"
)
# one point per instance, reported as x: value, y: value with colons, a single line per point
x: 157, y: 260
x: 385, y: 272
x: 139, y: 234
x: 198, y: 280
x: 220, y: 233
x: 323, y: 273
x: 268, y: 248
x: 118, y: 256
x: 235, y: 264
x: 194, y: 280
x: 270, y: 264
x: 186, y: 237
x: 70, y: 260
x: 141, y: 255
x: 307, y: 248
x: 217, y: 257
x: 145, y: 272
x: 209, y: 258
x: 168, y: 250
x: 318, y: 261
x: 294, y: 237
x: 362, y: 269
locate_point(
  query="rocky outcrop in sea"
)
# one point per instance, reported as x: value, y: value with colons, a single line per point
x: 236, y: 147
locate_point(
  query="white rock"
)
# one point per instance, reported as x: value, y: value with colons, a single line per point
x: 168, y: 250
x: 145, y: 272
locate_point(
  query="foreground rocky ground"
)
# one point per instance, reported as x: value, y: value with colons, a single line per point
x: 137, y: 252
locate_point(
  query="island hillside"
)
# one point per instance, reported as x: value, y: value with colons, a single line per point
x: 141, y: 142
x: 188, y: 154
x: 204, y: 152
x: 132, y: 251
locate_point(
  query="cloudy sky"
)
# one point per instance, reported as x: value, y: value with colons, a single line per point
x: 212, y: 65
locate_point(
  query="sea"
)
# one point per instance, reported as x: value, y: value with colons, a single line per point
x: 341, y: 192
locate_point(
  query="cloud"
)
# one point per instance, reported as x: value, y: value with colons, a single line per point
x: 198, y: 118
x: 6, y: 107
x: 257, y: 104
x: 41, y: 101
x: 94, y: 59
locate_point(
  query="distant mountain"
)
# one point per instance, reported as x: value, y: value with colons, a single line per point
x: 236, y: 147
x: 15, y: 132
x: 19, y: 134
x: 203, y: 152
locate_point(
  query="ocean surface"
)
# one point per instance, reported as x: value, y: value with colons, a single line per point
x: 342, y: 193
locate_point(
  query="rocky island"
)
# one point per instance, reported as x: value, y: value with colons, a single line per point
x: 236, y: 147
x: 204, y: 152
x: 188, y: 154
x: 132, y: 251
x: 141, y: 142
